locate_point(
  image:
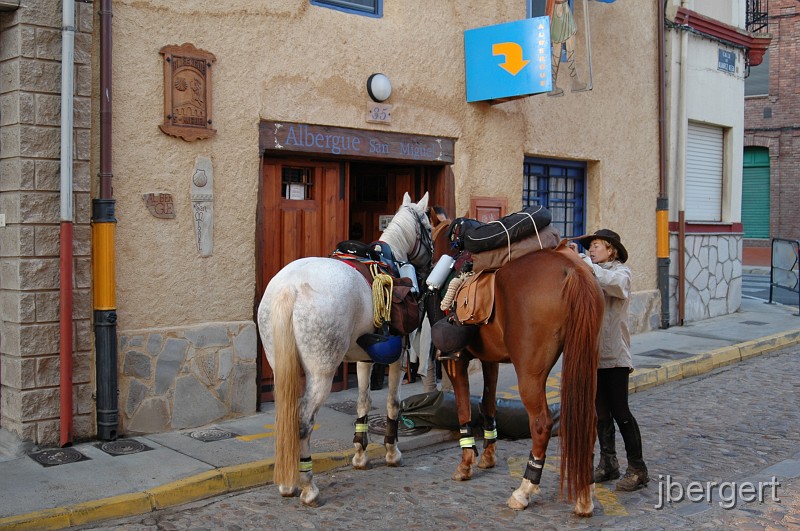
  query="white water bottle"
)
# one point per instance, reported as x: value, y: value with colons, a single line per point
x: 440, y: 272
x: 407, y: 270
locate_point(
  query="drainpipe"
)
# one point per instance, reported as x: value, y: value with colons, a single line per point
x: 662, y: 203
x: 67, y: 215
x: 680, y: 174
x: 103, y: 229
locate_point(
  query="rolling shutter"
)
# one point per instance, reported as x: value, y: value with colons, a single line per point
x: 704, y: 173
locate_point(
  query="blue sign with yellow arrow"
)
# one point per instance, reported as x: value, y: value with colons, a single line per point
x: 508, y: 60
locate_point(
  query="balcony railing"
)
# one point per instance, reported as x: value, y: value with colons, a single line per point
x: 757, y: 16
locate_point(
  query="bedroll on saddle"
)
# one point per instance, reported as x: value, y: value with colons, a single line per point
x: 506, y: 230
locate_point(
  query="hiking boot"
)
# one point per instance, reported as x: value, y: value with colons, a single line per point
x: 635, y: 479
x: 607, y: 469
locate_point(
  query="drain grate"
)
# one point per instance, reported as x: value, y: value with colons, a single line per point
x: 665, y: 354
x: 754, y: 323
x: 377, y: 425
x: 211, y: 435
x: 123, y: 447
x: 58, y: 456
x: 349, y: 407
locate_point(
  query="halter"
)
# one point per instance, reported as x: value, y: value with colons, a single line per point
x: 423, y: 243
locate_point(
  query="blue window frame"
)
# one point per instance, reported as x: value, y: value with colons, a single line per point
x: 370, y: 8
x: 560, y: 187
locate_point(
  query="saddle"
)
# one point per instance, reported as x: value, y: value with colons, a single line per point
x: 405, y: 313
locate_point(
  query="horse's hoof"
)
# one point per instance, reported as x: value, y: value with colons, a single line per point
x: 288, y: 492
x: 310, y: 496
x: 316, y: 502
x: 487, y: 462
x: 361, y: 466
x: 584, y: 515
x: 516, y: 504
x: 395, y: 464
x: 462, y: 475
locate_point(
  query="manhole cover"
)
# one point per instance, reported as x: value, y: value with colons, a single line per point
x: 211, y: 435
x: 754, y: 323
x: 377, y: 425
x: 350, y: 407
x: 58, y: 456
x: 123, y: 447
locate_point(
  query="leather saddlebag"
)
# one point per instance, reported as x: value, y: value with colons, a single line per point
x: 475, y: 298
x: 405, y: 314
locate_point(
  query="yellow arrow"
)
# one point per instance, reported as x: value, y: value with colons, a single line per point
x: 513, y: 54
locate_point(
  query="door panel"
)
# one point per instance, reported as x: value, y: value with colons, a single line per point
x: 306, y: 227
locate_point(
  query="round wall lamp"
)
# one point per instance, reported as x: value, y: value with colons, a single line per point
x: 379, y: 87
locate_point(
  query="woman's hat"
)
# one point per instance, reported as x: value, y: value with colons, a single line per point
x: 611, y: 237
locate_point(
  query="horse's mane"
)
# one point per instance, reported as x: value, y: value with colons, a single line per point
x: 401, y: 233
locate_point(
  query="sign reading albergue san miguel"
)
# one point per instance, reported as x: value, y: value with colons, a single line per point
x: 287, y: 137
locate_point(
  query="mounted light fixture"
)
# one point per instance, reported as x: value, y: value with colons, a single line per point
x: 379, y: 87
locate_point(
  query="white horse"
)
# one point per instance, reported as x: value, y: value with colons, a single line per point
x: 311, y: 314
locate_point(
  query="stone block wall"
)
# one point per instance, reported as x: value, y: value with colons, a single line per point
x: 30, y: 129
x: 713, y: 276
x: 178, y: 378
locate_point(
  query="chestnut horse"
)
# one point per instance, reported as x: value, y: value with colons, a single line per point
x: 546, y: 302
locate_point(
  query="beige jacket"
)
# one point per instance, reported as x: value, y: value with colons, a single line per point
x: 615, y: 340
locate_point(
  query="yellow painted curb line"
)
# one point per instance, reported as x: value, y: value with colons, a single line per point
x: 706, y: 362
x: 204, y: 485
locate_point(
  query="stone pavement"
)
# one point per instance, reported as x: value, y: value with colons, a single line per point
x: 689, y: 438
x: 166, y: 470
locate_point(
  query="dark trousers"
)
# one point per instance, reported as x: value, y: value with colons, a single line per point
x: 611, y: 403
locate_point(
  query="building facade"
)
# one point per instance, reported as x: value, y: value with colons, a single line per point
x: 771, y: 202
x: 708, y: 50
x: 243, y: 136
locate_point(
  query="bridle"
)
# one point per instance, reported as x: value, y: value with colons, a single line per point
x: 424, y: 243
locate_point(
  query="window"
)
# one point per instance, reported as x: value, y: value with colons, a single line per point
x: 704, y: 173
x: 296, y: 183
x: 559, y: 186
x: 757, y: 81
x: 371, y: 8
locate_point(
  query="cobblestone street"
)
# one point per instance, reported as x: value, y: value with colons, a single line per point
x: 738, y: 424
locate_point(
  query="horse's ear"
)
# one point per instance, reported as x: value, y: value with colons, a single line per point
x: 406, y: 199
x: 423, y: 203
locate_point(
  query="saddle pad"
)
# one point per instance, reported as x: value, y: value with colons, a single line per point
x: 475, y: 298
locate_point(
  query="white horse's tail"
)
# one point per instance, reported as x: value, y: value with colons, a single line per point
x: 287, y: 389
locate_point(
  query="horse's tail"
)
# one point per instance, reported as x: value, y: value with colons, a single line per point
x: 583, y: 299
x: 287, y: 389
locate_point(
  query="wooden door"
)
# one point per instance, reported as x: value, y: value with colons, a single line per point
x: 302, y: 212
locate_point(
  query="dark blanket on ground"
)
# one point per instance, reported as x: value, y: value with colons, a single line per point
x: 438, y: 410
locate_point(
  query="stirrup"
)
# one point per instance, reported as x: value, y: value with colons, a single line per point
x: 444, y: 356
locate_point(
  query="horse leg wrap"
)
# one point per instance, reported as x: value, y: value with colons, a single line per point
x: 391, y: 431
x: 533, y: 472
x: 305, y: 465
x: 489, y: 431
x: 467, y: 439
x: 361, y: 437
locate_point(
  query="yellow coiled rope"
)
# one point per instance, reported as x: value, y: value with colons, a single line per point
x: 381, y: 296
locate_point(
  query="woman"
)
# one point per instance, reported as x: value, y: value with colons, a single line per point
x: 607, y: 256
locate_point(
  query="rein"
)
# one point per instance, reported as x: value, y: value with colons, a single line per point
x: 424, y: 242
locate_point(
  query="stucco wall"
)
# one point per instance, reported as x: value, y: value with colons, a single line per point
x: 298, y: 62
